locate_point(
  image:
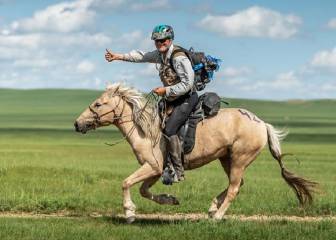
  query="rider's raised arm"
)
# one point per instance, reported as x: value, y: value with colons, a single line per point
x: 185, y: 72
x: 139, y: 56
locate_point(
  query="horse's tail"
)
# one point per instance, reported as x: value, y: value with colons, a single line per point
x: 303, y: 188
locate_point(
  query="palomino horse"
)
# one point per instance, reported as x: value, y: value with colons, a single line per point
x: 234, y: 136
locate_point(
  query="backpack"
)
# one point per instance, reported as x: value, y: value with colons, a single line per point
x: 203, y: 66
x: 210, y: 102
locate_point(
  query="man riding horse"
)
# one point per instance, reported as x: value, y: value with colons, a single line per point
x: 178, y: 91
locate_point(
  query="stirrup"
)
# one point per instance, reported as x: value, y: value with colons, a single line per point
x: 178, y: 179
x: 167, y: 177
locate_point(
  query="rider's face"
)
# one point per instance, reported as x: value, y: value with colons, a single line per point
x: 163, y: 45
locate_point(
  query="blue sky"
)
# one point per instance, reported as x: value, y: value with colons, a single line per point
x: 270, y: 49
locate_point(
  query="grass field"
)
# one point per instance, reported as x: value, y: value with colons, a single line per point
x: 46, y: 167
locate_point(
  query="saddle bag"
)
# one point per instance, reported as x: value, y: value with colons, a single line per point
x: 210, y: 103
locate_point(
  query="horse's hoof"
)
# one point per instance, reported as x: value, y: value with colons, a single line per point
x: 217, y: 217
x: 211, y: 214
x: 174, y: 201
x: 168, y: 199
x: 130, y: 219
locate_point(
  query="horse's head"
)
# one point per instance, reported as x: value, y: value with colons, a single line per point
x: 102, y: 112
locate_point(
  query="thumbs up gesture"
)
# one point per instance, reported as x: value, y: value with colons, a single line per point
x: 110, y: 56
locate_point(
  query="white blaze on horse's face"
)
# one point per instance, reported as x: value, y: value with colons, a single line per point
x: 100, y: 113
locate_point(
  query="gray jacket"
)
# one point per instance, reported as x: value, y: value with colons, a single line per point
x: 182, y: 66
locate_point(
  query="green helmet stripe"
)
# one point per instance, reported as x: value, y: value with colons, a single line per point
x: 162, y: 31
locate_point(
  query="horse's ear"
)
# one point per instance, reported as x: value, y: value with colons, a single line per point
x: 113, y: 89
x: 117, y: 87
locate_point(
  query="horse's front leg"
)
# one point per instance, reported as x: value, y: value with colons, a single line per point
x: 143, y: 173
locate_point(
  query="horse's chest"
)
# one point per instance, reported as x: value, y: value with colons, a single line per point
x: 140, y: 157
x: 141, y: 152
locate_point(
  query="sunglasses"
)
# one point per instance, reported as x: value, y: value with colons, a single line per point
x: 161, y: 40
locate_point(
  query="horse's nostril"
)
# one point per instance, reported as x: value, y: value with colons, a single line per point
x: 76, y: 126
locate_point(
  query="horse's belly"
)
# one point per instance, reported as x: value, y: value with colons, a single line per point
x: 203, y: 154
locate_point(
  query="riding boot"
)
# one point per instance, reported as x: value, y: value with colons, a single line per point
x: 175, y: 152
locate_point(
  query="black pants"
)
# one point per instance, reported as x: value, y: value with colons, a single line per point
x: 182, y: 108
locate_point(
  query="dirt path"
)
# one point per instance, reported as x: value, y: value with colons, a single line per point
x: 173, y: 217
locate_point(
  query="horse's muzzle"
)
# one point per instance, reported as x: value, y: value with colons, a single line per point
x: 79, y: 128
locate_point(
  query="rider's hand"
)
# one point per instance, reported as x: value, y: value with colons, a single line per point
x: 161, y: 91
x: 109, y: 56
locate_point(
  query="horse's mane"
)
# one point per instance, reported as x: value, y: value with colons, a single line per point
x: 145, y: 112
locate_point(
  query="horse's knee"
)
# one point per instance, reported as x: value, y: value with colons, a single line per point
x: 125, y: 185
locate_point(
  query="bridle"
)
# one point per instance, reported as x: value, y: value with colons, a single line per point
x: 115, y: 119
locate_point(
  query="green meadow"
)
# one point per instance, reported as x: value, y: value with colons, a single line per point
x: 46, y: 167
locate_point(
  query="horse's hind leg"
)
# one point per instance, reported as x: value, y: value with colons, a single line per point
x: 237, y: 167
x: 235, y: 178
x: 218, y: 201
x: 162, y: 198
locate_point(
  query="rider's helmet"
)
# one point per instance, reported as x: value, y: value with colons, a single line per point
x: 162, y: 32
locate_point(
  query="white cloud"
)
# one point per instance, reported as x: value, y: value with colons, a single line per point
x: 107, y: 4
x: 13, y: 53
x: 253, y: 22
x: 332, y: 23
x: 152, y: 5
x: 85, y: 67
x: 235, y: 81
x: 34, y: 63
x: 131, y: 38
x: 232, y: 72
x: 286, y: 81
x: 129, y: 5
x: 46, y: 50
x: 83, y: 39
x: 149, y: 71
x: 5, y: 32
x: 135, y: 39
x: 329, y: 86
x: 325, y: 59
x: 14, y: 47
x: 31, y: 41
x: 64, y: 17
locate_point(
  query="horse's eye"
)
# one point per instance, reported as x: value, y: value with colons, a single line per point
x: 97, y: 104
